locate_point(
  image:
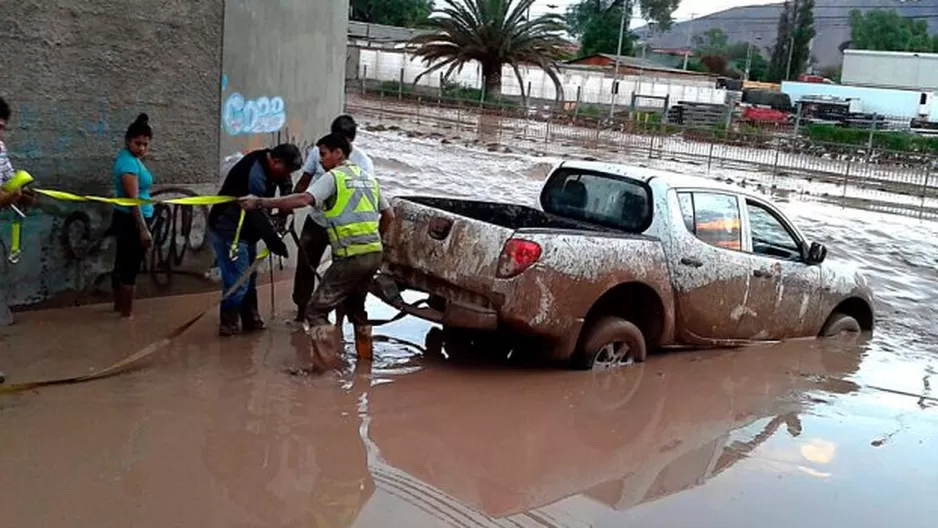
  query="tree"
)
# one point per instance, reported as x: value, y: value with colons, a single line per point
x: 802, y: 36
x: 779, y: 57
x: 712, y: 42
x: 601, y: 35
x: 885, y: 30
x: 403, y: 13
x: 759, y: 68
x: 493, y: 33
x: 718, y: 55
x: 714, y: 63
x: 831, y: 72
x: 596, y: 23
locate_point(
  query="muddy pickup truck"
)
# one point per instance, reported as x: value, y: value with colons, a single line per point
x: 617, y: 260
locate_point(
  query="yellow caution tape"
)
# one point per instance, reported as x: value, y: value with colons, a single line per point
x: 134, y: 202
x: 16, y: 241
x: 20, y: 179
x: 233, y: 252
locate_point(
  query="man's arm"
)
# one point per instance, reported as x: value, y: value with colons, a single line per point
x: 309, y: 170
x: 303, y: 183
x: 387, y: 214
x: 288, y: 202
x: 320, y: 191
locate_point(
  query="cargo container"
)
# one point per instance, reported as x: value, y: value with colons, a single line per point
x: 891, y: 69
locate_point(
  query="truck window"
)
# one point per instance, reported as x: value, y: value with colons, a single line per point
x: 713, y: 218
x: 770, y: 237
x: 612, y: 201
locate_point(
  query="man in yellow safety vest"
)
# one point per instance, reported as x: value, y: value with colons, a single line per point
x: 356, y: 214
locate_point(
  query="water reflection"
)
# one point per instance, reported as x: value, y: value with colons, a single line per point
x: 622, y: 438
x: 289, y: 453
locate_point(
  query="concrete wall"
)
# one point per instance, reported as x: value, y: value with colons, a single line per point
x: 76, y: 74
x: 284, y: 71
x: 215, y: 76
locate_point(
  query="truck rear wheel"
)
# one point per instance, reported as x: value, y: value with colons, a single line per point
x: 840, y: 325
x: 610, y: 342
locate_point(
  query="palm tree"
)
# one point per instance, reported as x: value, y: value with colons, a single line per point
x: 492, y: 33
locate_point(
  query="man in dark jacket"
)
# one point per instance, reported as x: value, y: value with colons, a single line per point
x: 261, y: 172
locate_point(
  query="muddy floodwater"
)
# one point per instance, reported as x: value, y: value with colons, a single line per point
x: 210, y: 432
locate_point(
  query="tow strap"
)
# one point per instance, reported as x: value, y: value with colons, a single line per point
x: 146, y: 351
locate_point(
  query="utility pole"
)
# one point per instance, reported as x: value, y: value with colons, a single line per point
x: 749, y: 55
x: 791, y: 52
x: 615, y: 75
x: 690, y: 34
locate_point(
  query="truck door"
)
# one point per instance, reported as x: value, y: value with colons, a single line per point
x: 784, y: 291
x: 709, y: 270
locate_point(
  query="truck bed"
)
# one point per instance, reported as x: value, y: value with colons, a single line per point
x: 509, y: 216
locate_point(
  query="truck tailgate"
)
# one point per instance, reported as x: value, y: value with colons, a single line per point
x: 459, y: 250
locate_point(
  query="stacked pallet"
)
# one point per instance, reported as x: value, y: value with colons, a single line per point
x: 696, y: 115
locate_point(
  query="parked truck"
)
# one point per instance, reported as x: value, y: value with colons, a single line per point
x: 613, y: 261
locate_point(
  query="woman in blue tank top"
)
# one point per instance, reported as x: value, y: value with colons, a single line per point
x: 131, y: 225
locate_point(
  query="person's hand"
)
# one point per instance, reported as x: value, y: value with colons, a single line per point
x: 250, y: 202
x: 9, y: 197
x: 27, y: 197
x: 146, y: 238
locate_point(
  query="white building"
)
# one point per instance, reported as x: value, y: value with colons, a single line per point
x: 592, y: 85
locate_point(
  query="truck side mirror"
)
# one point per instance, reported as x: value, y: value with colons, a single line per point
x: 817, y: 253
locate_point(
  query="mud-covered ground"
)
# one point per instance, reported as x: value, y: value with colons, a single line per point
x: 212, y: 433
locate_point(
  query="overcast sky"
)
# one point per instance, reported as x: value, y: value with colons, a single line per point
x: 688, y: 7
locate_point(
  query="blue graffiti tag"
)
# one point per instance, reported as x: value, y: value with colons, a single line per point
x: 256, y: 116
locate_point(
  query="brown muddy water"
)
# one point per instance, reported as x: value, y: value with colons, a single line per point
x: 211, y: 433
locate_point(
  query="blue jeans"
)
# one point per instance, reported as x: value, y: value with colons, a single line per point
x: 232, y: 271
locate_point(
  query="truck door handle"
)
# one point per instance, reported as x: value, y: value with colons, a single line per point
x: 762, y: 274
x: 692, y: 262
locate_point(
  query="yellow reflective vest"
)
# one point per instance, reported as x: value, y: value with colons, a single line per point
x: 353, y: 217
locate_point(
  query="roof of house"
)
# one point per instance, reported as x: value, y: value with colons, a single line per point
x: 380, y: 33
x: 639, y: 63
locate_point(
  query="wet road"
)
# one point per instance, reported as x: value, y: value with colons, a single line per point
x: 211, y: 433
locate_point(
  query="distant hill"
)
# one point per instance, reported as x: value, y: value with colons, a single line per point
x: 831, y: 23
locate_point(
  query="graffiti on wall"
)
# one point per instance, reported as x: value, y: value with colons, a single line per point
x: 70, y: 248
x: 256, y: 116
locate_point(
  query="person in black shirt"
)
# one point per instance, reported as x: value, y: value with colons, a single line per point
x: 261, y: 172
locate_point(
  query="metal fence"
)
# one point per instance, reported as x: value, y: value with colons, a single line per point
x: 787, y: 157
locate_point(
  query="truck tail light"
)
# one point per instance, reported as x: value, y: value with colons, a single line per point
x: 517, y: 256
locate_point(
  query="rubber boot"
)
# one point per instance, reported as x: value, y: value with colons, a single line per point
x: 364, y: 345
x: 250, y: 316
x: 229, y: 323
x: 126, y: 297
x: 326, y: 347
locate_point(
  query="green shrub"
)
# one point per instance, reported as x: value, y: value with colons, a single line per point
x: 897, y: 141
x: 396, y: 87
